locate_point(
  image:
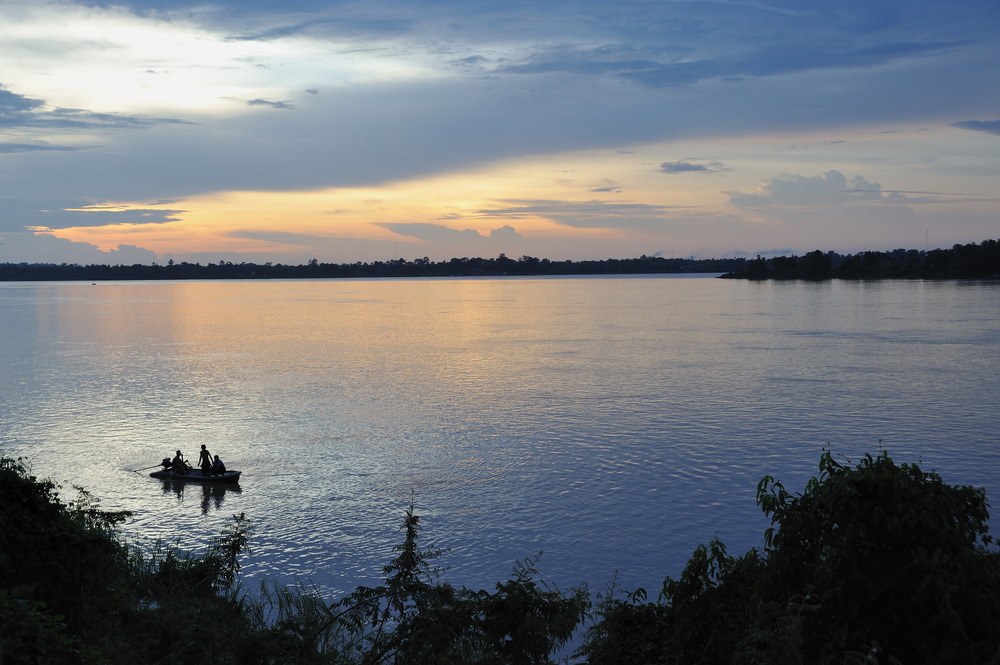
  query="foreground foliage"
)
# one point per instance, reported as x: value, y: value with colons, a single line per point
x: 72, y: 592
x: 875, y: 562
x: 878, y: 561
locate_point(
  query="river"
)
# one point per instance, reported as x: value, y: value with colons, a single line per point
x: 611, y: 423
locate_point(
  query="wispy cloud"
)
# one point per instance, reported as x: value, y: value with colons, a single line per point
x: 284, y: 105
x: 988, y: 126
x: 25, y: 114
x: 20, y: 214
x: 440, y: 232
x: 281, y: 237
x: 324, y: 26
x: 586, y: 214
x: 34, y: 146
x: 685, y: 166
x: 670, y: 68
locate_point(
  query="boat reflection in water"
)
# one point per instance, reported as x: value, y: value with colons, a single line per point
x: 211, y: 494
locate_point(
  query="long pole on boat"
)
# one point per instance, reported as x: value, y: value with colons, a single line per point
x: 146, y: 469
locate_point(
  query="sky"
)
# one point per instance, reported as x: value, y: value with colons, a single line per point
x: 252, y: 131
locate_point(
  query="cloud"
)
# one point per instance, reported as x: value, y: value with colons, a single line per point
x: 831, y: 188
x: 586, y: 214
x: 274, y: 105
x: 33, y: 146
x: 787, y: 251
x: 46, y: 248
x: 292, y: 247
x: 322, y: 26
x: 685, y: 166
x: 988, y: 126
x: 22, y: 112
x: 418, y: 93
x: 397, y: 108
x: 429, y: 232
x: 613, y: 59
x: 21, y: 214
x: 505, y: 233
x: 14, y: 106
x: 659, y: 68
x: 280, y: 237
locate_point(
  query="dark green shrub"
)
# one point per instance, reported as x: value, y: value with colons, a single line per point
x: 877, y: 555
x: 415, y: 619
x: 65, y: 555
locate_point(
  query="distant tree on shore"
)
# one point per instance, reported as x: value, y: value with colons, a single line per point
x: 972, y: 261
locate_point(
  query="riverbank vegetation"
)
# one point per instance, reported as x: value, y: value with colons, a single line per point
x: 872, y: 562
x: 972, y: 261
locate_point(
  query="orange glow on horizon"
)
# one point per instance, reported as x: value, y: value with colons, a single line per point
x: 251, y: 221
x: 577, y: 204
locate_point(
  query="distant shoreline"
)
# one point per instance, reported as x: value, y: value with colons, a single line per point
x: 464, y: 267
x: 972, y: 261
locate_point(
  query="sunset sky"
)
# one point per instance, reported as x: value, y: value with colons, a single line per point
x: 245, y: 130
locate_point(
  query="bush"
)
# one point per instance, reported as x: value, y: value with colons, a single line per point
x: 63, y: 556
x: 877, y: 560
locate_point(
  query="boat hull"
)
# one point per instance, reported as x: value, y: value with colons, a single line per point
x: 195, y: 476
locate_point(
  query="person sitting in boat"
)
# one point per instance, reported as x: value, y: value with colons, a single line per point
x: 179, y: 464
x: 218, y: 468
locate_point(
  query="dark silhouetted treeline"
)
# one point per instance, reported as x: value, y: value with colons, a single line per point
x: 972, y: 261
x: 465, y: 267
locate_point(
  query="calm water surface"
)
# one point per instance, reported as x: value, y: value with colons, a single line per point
x: 611, y: 423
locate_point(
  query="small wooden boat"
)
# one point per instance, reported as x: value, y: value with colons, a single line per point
x: 196, y: 476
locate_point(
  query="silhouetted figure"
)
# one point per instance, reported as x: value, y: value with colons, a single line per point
x: 218, y: 468
x: 179, y: 464
x: 205, y: 460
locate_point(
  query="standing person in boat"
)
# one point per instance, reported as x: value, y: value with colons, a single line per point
x: 205, y: 460
x: 179, y: 464
x: 218, y: 468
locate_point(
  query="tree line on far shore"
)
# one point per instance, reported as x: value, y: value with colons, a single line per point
x: 314, y: 269
x: 971, y: 261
